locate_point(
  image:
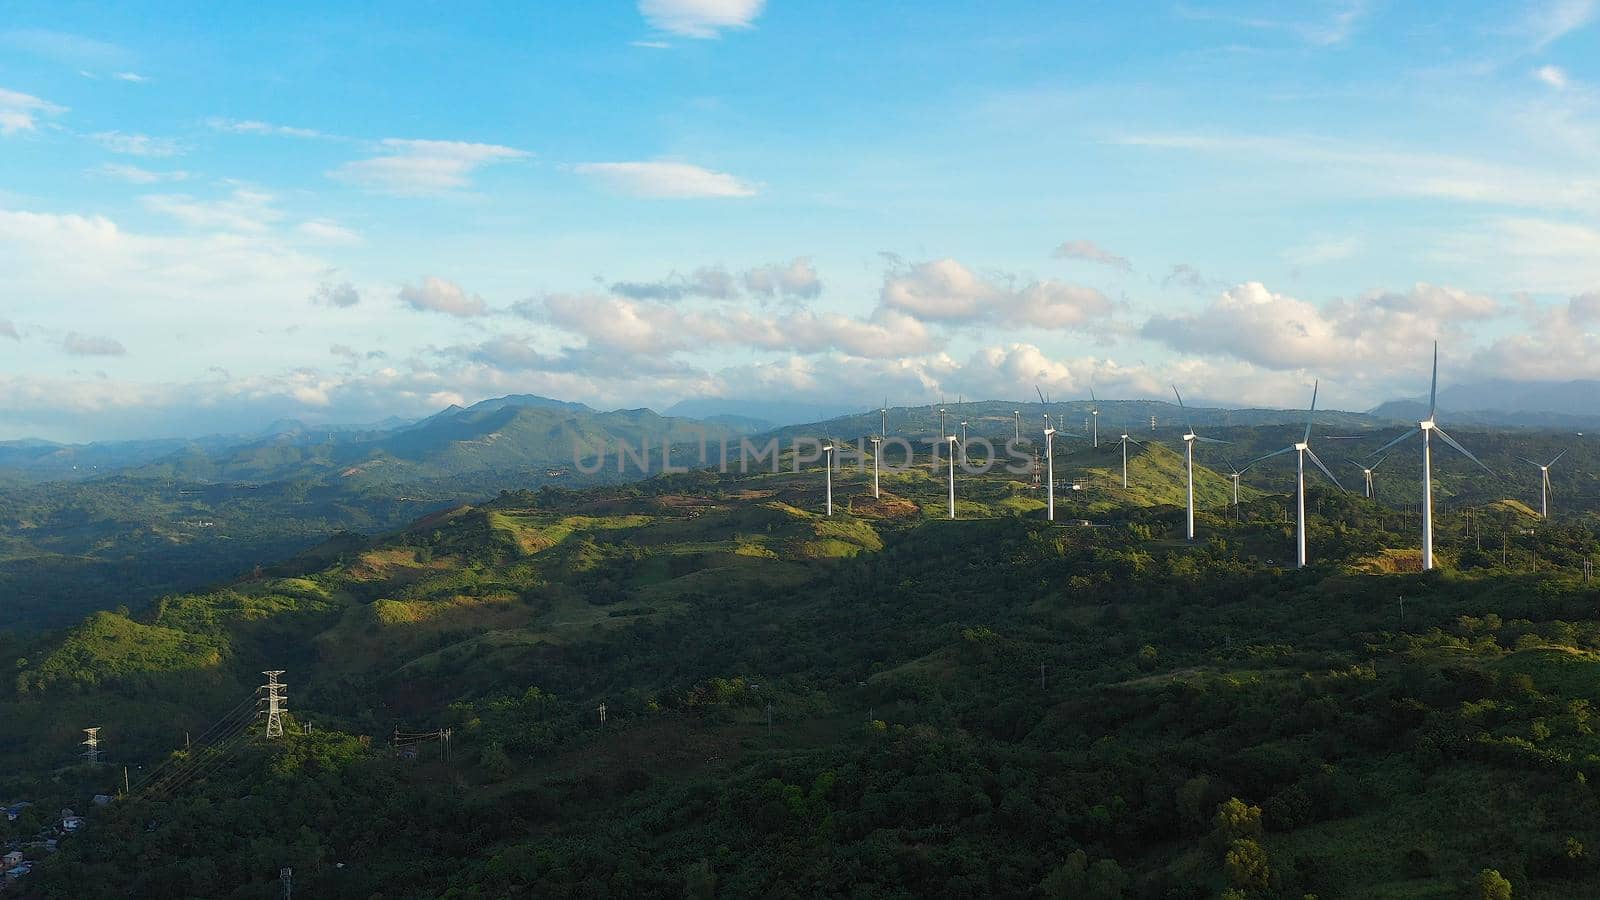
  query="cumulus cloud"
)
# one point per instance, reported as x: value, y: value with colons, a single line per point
x: 91, y: 345
x: 1089, y: 251
x: 418, y: 168
x: 665, y: 180
x: 1253, y: 324
x: 797, y: 281
x: 438, y: 295
x: 945, y: 290
x: 700, y: 18
x: 137, y: 144
x: 341, y: 295
x: 637, y: 326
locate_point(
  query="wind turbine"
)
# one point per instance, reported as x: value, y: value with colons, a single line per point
x: 883, y: 415
x: 1094, y: 411
x: 1016, y: 426
x: 952, y: 439
x: 827, y: 460
x: 1189, y: 439
x: 1544, y: 482
x: 1301, y: 451
x: 1234, y: 476
x: 875, y: 442
x: 1049, y: 460
x: 1125, y: 440
x: 1366, y: 472
x: 1427, y: 428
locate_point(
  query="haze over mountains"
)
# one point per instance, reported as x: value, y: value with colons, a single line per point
x: 542, y: 430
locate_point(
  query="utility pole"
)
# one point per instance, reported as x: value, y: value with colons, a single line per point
x: 91, y: 745
x: 1588, y: 570
x: 602, y: 717
x: 125, y: 789
x: 286, y: 875
x: 275, y: 700
x: 1041, y: 676
x: 1402, y: 610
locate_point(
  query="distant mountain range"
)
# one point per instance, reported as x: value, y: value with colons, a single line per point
x: 1526, y: 404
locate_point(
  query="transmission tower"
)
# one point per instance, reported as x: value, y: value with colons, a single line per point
x: 275, y: 700
x: 91, y: 745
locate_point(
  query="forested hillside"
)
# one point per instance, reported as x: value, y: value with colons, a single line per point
x: 880, y: 703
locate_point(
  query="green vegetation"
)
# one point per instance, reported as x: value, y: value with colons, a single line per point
x: 989, y: 707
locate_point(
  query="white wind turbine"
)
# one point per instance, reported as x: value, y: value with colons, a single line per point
x: 875, y: 443
x: 827, y: 462
x: 1125, y: 440
x: 1544, y: 482
x: 1301, y: 451
x: 1094, y: 412
x: 1427, y: 428
x: 952, y: 439
x: 1367, y: 473
x: 1189, y: 439
x: 883, y: 418
x: 1049, y: 460
x: 1234, y: 476
x: 1016, y: 426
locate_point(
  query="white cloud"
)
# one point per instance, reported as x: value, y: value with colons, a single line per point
x: 1551, y: 20
x: 714, y: 282
x: 798, y: 280
x: 243, y: 210
x: 250, y: 126
x: 417, y: 168
x: 341, y: 295
x: 9, y: 329
x: 137, y: 175
x: 438, y: 295
x: 1554, y: 76
x: 700, y: 18
x: 1089, y: 251
x: 1528, y: 254
x: 324, y: 231
x: 21, y: 112
x: 1276, y: 331
x: 137, y: 144
x: 91, y: 345
x: 134, y: 77
x: 1585, y: 308
x: 666, y: 180
x: 945, y: 290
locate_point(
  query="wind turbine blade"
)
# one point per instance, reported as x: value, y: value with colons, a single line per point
x: 1395, y: 441
x: 1040, y: 393
x: 1529, y: 461
x: 1331, y: 477
x: 1092, y: 398
x: 1433, y: 389
x: 1313, y: 414
x: 1186, y: 420
x: 1374, y: 466
x: 1270, y: 455
x: 1464, y: 451
x: 1557, y: 459
x: 1206, y: 440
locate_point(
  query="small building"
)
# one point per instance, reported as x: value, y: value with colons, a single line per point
x: 11, y: 860
x: 103, y: 799
x: 15, y: 810
x: 71, y: 823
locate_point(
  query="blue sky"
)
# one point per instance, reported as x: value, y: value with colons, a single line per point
x: 213, y: 216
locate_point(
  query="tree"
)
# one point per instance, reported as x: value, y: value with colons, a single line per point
x: 495, y: 762
x: 1493, y: 886
x: 1236, y: 819
x: 1247, y: 865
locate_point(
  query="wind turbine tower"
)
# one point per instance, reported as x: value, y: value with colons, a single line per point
x: 1016, y: 426
x: 827, y: 464
x: 1302, y: 449
x: 1544, y: 482
x: 1094, y: 414
x: 1428, y: 428
x: 952, y: 439
x: 1049, y: 463
x: 1366, y: 473
x: 1189, y: 439
x: 875, y: 442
